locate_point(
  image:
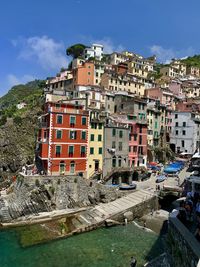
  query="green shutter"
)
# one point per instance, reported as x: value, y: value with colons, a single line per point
x: 83, y: 135
x: 83, y: 120
x: 100, y: 150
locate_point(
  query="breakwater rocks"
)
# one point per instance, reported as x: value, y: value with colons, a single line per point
x: 32, y: 195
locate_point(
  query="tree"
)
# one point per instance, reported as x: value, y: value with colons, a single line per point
x: 75, y: 50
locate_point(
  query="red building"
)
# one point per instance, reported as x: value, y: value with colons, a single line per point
x: 63, y: 139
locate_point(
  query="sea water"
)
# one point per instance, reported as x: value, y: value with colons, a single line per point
x: 112, y: 247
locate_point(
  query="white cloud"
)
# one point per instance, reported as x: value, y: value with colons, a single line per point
x: 48, y: 53
x: 165, y: 55
x: 109, y: 46
x: 14, y: 80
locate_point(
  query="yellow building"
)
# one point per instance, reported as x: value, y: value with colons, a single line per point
x: 118, y: 82
x: 137, y: 69
x: 95, y: 145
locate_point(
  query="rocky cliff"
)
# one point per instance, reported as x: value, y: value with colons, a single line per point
x: 18, y: 127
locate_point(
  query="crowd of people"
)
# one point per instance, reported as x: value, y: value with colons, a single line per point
x: 189, y: 211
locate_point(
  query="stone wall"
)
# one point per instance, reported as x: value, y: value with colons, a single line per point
x: 185, y: 249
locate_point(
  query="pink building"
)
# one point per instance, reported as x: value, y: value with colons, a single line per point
x: 188, y: 106
x: 137, y: 144
x: 164, y: 95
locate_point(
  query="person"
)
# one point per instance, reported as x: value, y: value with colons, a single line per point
x: 133, y: 262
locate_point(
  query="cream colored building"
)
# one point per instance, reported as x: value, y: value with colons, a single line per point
x: 118, y: 82
x: 95, y: 144
x: 137, y: 69
x: 193, y: 71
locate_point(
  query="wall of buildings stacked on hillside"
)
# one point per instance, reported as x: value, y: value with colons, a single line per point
x: 120, y: 88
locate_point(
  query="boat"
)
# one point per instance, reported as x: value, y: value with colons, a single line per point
x: 127, y: 186
x: 160, y: 178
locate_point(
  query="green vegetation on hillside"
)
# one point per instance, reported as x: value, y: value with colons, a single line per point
x: 192, y: 61
x: 22, y: 92
x: 30, y: 93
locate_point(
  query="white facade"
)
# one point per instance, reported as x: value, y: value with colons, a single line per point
x: 96, y: 50
x: 185, y: 133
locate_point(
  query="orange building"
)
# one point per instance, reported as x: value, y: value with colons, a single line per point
x: 63, y: 139
x: 84, y: 74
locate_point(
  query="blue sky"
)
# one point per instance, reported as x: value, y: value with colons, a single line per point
x: 35, y: 34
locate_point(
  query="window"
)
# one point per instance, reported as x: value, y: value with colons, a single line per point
x: 58, y: 106
x: 59, y: 119
x: 182, y: 143
x: 84, y: 121
x: 113, y: 144
x: 113, y: 132
x: 119, y: 162
x: 176, y: 116
x: 94, y: 125
x: 140, y: 140
x: 58, y: 134
x: 120, y: 146
x: 176, y: 124
x: 83, y: 151
x: 83, y: 135
x: 140, y: 150
x: 72, y: 167
x: 99, y: 137
x: 129, y: 148
x: 113, y: 162
x: 176, y: 132
x: 72, y: 121
x: 92, y: 150
x: 72, y: 135
x: 71, y: 151
x: 92, y: 137
x: 100, y: 125
x: 184, y: 124
x: 135, y: 149
x: 120, y: 134
x: 58, y: 151
x: 184, y: 132
x: 135, y: 137
x: 140, y: 129
x: 100, y: 150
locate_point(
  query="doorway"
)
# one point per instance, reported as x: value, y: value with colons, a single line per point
x: 96, y: 165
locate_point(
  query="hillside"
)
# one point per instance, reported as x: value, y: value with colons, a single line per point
x: 18, y: 128
x: 192, y: 61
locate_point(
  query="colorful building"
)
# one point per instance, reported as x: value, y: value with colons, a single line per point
x: 63, y: 139
x: 84, y: 74
x: 95, y: 144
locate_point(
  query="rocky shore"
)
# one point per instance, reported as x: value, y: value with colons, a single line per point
x: 32, y: 195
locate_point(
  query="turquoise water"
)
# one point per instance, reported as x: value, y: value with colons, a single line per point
x: 100, y: 248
